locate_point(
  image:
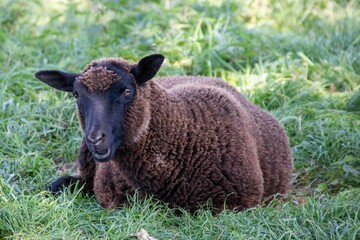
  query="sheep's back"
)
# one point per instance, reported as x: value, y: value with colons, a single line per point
x: 271, y: 141
x: 216, y: 152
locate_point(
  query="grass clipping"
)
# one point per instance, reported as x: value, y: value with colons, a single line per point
x: 143, y: 235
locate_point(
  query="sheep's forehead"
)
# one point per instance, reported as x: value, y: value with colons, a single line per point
x: 98, y: 78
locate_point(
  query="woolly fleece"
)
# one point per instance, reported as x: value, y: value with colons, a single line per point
x: 188, y: 140
x: 96, y: 76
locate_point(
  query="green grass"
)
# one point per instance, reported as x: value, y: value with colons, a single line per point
x: 300, y: 60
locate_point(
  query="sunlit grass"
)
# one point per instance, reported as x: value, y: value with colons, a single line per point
x: 300, y: 60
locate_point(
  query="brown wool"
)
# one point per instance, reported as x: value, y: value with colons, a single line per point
x: 96, y: 77
x: 191, y: 139
x: 188, y: 140
x: 119, y: 62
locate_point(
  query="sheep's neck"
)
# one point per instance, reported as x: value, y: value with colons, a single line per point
x: 153, y: 112
x: 154, y: 125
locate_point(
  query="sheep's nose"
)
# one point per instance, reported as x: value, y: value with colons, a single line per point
x: 95, y: 138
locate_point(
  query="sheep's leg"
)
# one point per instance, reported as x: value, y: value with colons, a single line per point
x: 111, y: 187
x: 63, y: 182
x: 85, y: 179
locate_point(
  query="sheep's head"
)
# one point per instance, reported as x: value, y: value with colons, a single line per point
x: 104, y: 91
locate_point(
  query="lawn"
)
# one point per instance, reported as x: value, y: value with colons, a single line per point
x: 300, y: 60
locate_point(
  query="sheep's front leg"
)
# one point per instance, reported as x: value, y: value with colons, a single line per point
x: 65, y: 182
x: 85, y: 179
x: 111, y: 187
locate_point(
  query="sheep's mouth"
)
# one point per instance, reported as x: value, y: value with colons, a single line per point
x: 102, y: 156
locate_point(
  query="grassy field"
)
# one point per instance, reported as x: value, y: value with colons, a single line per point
x: 298, y: 59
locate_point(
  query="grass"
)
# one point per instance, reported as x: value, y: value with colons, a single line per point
x: 300, y: 60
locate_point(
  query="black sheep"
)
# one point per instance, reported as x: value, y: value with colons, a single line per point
x: 183, y: 140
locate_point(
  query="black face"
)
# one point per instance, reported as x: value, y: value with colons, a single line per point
x: 103, y: 114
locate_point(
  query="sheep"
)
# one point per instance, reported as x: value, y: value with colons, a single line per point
x: 184, y: 140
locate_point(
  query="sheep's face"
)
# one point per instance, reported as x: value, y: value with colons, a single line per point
x: 104, y: 92
x: 102, y: 113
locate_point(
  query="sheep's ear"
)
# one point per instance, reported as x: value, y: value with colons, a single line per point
x: 57, y: 79
x: 147, y: 67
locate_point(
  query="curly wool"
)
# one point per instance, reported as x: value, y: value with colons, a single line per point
x: 96, y: 77
x: 184, y: 140
x: 191, y: 139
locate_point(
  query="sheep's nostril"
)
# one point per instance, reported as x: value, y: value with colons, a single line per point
x: 95, y: 138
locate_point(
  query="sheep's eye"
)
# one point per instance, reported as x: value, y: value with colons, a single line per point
x: 127, y: 92
x: 76, y: 95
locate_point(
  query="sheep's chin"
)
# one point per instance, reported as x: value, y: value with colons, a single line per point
x: 102, y: 157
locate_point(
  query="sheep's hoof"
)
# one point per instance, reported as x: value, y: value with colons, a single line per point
x: 61, y: 183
